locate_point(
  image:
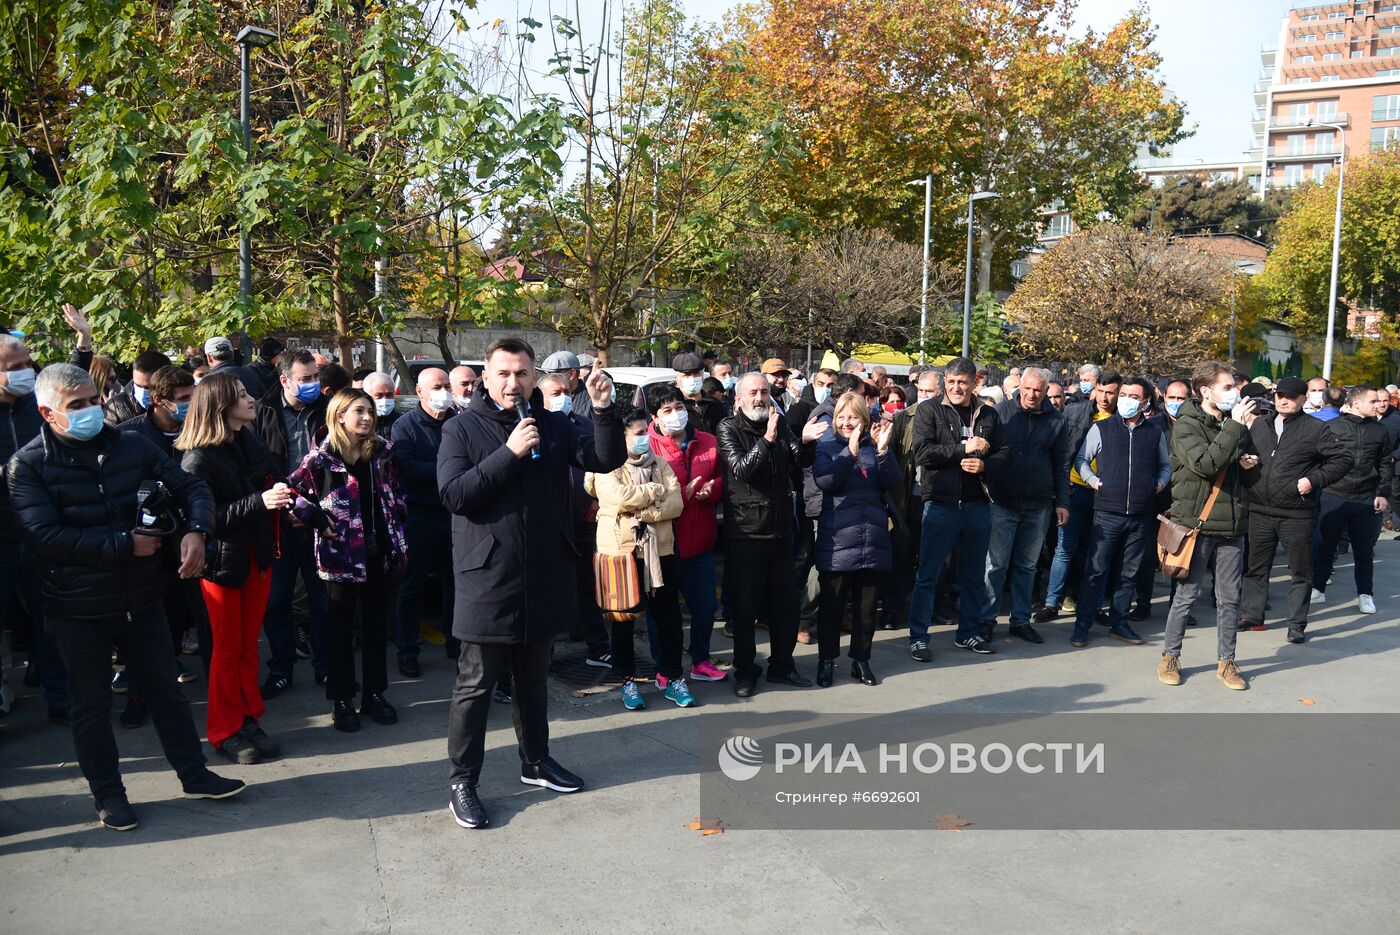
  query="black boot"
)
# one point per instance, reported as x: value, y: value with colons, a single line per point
x: 343, y: 716
x: 374, y: 707
x: 826, y: 672
x: 860, y: 671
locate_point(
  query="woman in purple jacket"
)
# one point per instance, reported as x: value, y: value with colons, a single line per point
x: 354, y: 480
x: 854, y: 469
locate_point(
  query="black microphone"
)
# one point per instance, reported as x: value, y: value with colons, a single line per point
x: 523, y: 411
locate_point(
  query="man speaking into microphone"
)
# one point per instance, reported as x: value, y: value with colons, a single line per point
x: 503, y: 472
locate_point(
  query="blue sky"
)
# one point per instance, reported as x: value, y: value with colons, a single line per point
x: 1210, y: 51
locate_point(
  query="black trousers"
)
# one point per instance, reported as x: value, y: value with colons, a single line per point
x: 371, y: 601
x: 840, y: 588
x: 143, y: 638
x: 665, y: 607
x: 479, y: 667
x: 1266, y: 534
x: 758, y: 574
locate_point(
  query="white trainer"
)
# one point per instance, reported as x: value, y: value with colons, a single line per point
x: 1317, y: 597
x: 1367, y: 603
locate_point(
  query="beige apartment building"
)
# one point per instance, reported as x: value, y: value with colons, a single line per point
x: 1333, y: 80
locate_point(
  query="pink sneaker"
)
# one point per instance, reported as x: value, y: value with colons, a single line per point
x: 707, y: 671
x: 662, y: 681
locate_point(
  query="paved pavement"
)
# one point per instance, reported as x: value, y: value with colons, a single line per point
x: 349, y: 833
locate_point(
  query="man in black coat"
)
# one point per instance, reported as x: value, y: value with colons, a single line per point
x: 705, y: 413
x: 221, y: 356
x: 763, y: 464
x: 265, y: 368
x: 417, y: 437
x: 505, y: 480
x: 74, y: 492
x: 1026, y: 500
x: 135, y: 398
x: 1298, y: 457
x: 960, y: 448
x: 1355, y: 503
x: 291, y: 421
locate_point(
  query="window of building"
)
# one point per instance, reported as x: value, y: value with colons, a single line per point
x: 1389, y: 8
x: 1292, y: 175
x: 1297, y: 144
x: 1327, y: 78
x: 1322, y: 143
x: 1382, y: 137
x: 1326, y: 110
x: 1331, y: 56
x: 1057, y: 226
x: 1388, y: 30
x: 1302, y: 59
x: 1335, y: 34
x: 1300, y: 81
x: 1313, y: 17
x: 1357, y: 53
x: 1320, y: 170
x: 1388, y: 73
x: 1310, y: 37
x: 1385, y: 107
x: 1392, y: 50
x: 1337, y: 14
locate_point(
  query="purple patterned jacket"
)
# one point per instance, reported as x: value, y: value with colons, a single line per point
x: 343, y: 558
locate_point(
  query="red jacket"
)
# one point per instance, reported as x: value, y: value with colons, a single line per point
x: 696, y: 528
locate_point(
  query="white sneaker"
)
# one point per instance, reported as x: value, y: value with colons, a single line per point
x: 1367, y: 603
x: 1317, y: 597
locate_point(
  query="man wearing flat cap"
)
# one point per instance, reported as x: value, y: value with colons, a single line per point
x: 565, y: 365
x: 1298, y: 457
x: 705, y: 414
x: 776, y: 370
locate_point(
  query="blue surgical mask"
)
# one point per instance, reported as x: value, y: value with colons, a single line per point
x: 181, y: 410
x: 822, y: 393
x: 1128, y: 407
x: 691, y: 385
x: 561, y: 403
x: 85, y: 424
x: 639, y: 444
x: 308, y: 392
x: 1086, y: 387
x: 1174, y: 407
x: 20, y: 382
x: 142, y: 395
x: 727, y: 382
x: 1226, y: 401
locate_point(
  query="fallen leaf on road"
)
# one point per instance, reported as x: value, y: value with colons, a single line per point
x: 950, y: 823
x: 1307, y: 701
x: 706, y: 826
x: 1006, y: 642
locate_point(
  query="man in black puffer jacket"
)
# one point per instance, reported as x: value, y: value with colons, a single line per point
x: 763, y: 464
x: 1025, y: 500
x: 1298, y: 457
x: 1356, y: 503
x: 74, y: 492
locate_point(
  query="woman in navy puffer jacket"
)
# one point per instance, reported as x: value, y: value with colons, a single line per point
x: 853, y: 469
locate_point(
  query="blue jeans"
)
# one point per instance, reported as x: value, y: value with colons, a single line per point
x: 1081, y: 515
x: 429, y: 548
x: 298, y: 558
x: 20, y: 579
x: 695, y: 577
x: 967, y: 526
x: 1017, y: 536
x: 1120, y: 541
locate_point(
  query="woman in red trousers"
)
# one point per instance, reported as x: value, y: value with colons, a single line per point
x: 220, y: 449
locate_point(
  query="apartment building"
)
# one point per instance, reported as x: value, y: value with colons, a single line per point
x: 1333, y: 80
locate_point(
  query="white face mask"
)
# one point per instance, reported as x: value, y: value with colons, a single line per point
x: 461, y: 401
x: 1315, y: 399
x: 691, y: 385
x: 440, y: 400
x: 673, y: 423
x: 382, y: 407
x: 20, y: 382
x: 1225, y: 402
x: 795, y: 387
x: 560, y: 403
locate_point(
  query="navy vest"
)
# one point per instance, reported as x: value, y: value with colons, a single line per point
x: 1128, y: 465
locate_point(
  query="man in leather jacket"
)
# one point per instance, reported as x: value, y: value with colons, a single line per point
x: 763, y: 467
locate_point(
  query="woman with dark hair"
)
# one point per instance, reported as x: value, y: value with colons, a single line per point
x: 356, y: 482
x: 249, y: 502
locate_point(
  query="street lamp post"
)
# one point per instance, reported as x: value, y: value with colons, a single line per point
x: 967, y: 289
x: 249, y: 38
x: 1336, y: 250
x: 923, y: 295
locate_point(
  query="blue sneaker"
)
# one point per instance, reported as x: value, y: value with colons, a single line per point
x: 632, y: 696
x: 679, y: 692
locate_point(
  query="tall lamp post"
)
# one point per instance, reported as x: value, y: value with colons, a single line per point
x: 249, y: 38
x: 1336, y: 249
x: 967, y: 289
x: 923, y: 296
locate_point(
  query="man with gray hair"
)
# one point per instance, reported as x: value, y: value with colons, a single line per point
x: 463, y: 380
x: 1082, y: 391
x: 380, y: 387
x: 78, y: 491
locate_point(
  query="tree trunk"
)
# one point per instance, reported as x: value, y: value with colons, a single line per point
x: 406, y: 384
x: 442, y: 339
x: 340, y: 307
x: 986, y: 249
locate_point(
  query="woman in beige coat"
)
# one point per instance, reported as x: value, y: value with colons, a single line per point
x: 636, y: 505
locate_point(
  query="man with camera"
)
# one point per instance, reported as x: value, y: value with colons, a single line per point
x: 74, y: 490
x: 1298, y: 457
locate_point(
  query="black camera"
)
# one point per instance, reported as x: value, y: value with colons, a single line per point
x: 155, y: 511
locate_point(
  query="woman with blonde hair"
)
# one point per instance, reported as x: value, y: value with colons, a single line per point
x: 637, y: 504
x: 104, y: 377
x: 854, y: 470
x: 249, y: 501
x: 356, y: 482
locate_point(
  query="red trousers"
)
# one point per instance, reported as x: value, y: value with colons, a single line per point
x: 235, y: 619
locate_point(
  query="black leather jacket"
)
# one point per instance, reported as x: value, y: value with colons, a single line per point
x: 759, y: 478
x: 1372, y: 471
x: 76, y: 504
x: 1308, y: 449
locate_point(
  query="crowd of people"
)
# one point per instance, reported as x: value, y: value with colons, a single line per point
x: 188, y: 511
